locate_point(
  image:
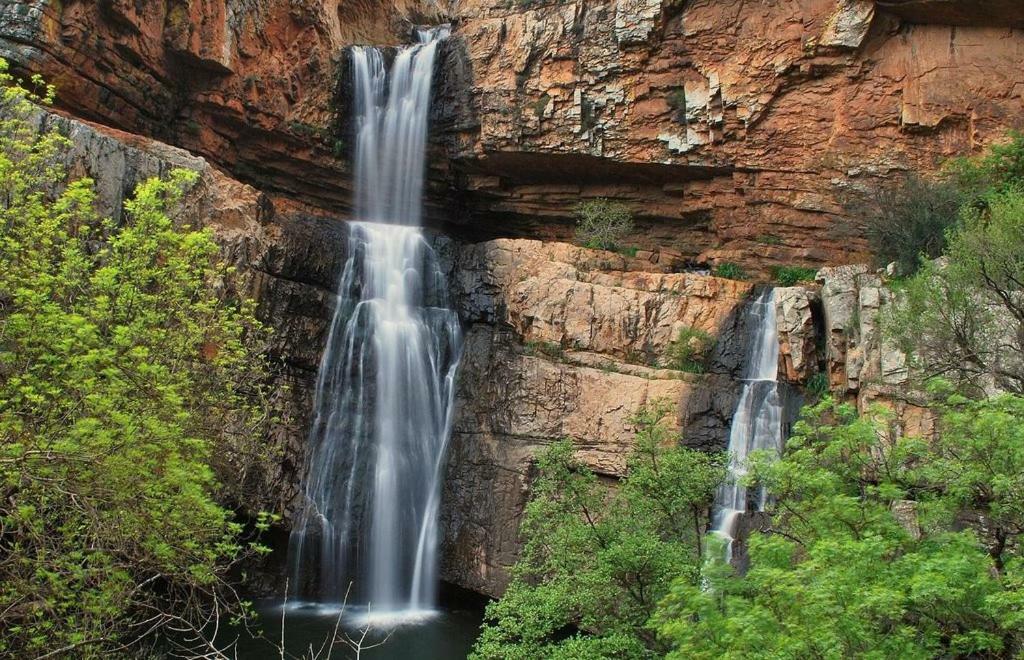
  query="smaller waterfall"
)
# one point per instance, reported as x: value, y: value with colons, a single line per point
x: 757, y: 421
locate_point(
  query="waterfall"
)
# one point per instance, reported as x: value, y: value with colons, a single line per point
x: 757, y: 421
x: 384, y: 392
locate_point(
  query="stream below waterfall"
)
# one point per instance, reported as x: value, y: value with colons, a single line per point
x: 448, y: 633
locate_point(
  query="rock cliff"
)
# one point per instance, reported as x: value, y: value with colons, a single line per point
x: 566, y: 342
x: 738, y: 131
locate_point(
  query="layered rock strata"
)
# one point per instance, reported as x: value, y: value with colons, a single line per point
x: 738, y: 132
x: 566, y: 342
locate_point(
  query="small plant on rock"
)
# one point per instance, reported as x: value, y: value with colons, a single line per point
x: 817, y: 387
x: 602, y: 224
x: 792, y: 275
x: 689, y: 352
x: 730, y: 271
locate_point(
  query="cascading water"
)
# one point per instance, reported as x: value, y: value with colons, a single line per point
x: 382, y: 415
x: 757, y: 421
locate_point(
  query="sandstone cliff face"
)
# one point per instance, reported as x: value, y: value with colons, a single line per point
x: 565, y: 342
x: 835, y: 330
x: 245, y: 83
x: 736, y: 130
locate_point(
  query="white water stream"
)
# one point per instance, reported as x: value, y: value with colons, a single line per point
x: 756, y: 423
x: 382, y: 415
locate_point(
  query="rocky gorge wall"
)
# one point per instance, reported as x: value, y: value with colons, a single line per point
x: 738, y: 131
x: 734, y: 130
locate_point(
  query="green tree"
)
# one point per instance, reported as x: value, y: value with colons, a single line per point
x: 602, y: 224
x: 126, y: 375
x: 909, y: 220
x: 597, y: 559
x: 962, y: 317
x: 870, y: 552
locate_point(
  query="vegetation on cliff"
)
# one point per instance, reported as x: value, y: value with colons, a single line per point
x: 963, y: 316
x: 602, y: 224
x: 881, y: 544
x: 596, y: 563
x: 127, y: 370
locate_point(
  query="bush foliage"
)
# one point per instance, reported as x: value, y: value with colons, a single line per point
x: 602, y: 224
x: 730, y: 271
x: 792, y: 275
x: 867, y: 554
x: 597, y: 560
x: 912, y: 220
x: 126, y: 373
x: 909, y: 220
x: 962, y: 317
x: 689, y: 351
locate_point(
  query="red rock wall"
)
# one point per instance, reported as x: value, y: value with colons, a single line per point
x: 765, y: 115
x: 734, y: 129
x: 246, y: 83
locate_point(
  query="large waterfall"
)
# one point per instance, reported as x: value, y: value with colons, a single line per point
x: 757, y: 421
x: 382, y: 415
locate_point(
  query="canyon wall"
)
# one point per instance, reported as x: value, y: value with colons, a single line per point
x: 736, y: 132
x: 739, y: 132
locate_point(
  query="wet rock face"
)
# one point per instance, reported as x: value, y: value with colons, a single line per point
x: 766, y: 117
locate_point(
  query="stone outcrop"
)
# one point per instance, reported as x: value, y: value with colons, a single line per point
x: 857, y: 352
x: 566, y: 342
x: 862, y: 363
x: 798, y: 333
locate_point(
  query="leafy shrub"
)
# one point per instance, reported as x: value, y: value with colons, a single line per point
x: 689, y: 351
x: 792, y: 275
x: 964, y: 319
x: 1000, y: 168
x: 905, y: 222
x: 867, y: 554
x: 730, y: 271
x: 596, y: 561
x: 602, y: 224
x: 126, y: 371
x: 817, y: 387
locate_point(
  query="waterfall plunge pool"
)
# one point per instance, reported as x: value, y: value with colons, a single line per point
x: 445, y: 633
